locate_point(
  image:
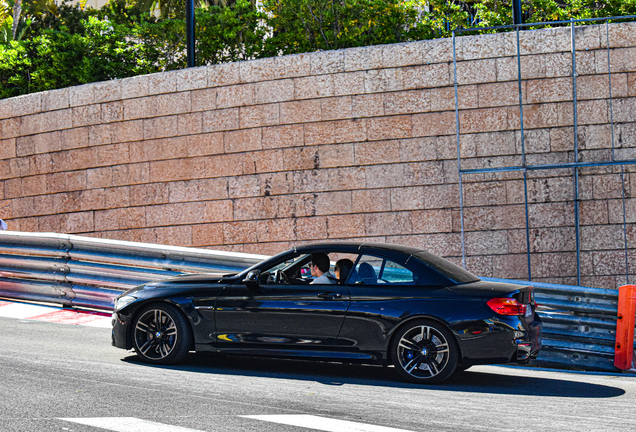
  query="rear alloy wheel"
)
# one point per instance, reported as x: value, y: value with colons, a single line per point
x: 161, y: 334
x: 424, y: 352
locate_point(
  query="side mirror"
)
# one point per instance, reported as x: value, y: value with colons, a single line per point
x: 252, y: 278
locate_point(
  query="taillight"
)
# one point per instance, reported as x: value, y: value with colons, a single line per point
x: 507, y: 306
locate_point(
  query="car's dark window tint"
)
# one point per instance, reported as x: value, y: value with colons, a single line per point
x: 431, y: 277
x: 447, y: 268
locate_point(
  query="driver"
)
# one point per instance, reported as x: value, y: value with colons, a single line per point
x: 319, y: 266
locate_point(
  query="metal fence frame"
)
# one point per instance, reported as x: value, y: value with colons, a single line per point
x: 524, y: 167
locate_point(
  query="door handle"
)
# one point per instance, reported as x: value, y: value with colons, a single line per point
x: 330, y: 295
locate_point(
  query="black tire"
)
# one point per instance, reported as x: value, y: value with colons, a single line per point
x: 424, y: 352
x: 161, y: 334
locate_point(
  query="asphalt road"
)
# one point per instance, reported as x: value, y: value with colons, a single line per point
x: 60, y: 377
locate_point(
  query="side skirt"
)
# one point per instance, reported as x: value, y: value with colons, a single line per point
x: 372, y: 358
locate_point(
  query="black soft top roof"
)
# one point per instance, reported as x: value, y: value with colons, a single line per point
x: 360, y: 246
x: 447, y: 268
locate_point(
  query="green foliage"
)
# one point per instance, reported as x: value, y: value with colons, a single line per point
x: 58, y: 58
x: 499, y: 12
x: 15, y: 65
x: 16, y: 17
x: 7, y: 30
x: 226, y: 34
x: 68, y: 16
x: 608, y: 8
x: 445, y: 16
x: 175, y: 8
x: 123, y: 12
x: 310, y: 25
x: 76, y: 47
x: 66, y: 45
x: 37, y: 8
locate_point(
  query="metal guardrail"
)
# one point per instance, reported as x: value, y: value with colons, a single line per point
x: 87, y: 272
x: 579, y: 323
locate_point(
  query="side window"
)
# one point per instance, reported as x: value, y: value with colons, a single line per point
x: 397, y: 274
x: 298, y: 270
x: 371, y: 270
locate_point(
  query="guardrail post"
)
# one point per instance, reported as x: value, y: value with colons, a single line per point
x: 624, y: 348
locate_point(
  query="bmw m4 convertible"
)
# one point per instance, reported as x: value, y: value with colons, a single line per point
x: 373, y: 303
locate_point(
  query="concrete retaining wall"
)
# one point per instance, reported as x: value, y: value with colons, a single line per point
x: 350, y: 144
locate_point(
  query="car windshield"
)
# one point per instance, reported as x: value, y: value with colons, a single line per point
x: 269, y: 262
x: 447, y: 268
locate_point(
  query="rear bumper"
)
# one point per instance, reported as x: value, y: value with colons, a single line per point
x: 529, y: 347
x: 505, y: 339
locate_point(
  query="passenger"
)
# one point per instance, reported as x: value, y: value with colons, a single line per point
x: 342, y: 270
x: 366, y: 274
x: 319, y: 266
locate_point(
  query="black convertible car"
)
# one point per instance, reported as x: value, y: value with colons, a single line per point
x: 397, y: 305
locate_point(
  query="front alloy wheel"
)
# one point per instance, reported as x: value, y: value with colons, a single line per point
x: 424, y: 352
x: 161, y: 334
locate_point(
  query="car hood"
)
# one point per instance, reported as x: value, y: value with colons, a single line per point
x: 184, y: 282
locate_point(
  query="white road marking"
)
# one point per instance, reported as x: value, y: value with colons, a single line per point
x: 128, y: 424
x: 28, y: 311
x: 323, y: 423
x: 22, y: 310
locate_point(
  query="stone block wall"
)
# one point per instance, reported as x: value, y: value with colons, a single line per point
x: 351, y: 144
